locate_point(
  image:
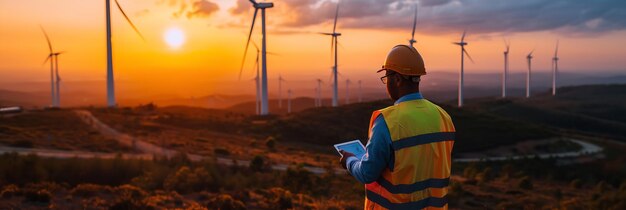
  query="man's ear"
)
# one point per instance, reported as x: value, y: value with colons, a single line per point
x: 399, y: 81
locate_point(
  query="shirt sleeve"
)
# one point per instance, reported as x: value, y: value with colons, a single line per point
x: 377, y: 155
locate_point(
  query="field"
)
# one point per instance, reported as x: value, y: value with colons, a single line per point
x: 305, y: 138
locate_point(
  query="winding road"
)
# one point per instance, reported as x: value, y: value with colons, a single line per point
x: 148, y: 150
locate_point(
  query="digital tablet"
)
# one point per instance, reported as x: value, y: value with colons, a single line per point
x: 355, y: 147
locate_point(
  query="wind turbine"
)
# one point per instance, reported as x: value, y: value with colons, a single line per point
x: 461, y: 79
x: 262, y: 6
x: 529, y: 57
x: 289, y: 101
x: 505, y: 72
x: 110, y: 79
x: 333, y: 47
x: 348, y: 91
x: 412, y: 40
x: 58, y: 79
x: 280, y: 84
x: 51, y: 58
x: 555, y: 68
x: 316, y: 104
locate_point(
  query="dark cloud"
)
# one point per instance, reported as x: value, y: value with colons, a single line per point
x: 446, y: 16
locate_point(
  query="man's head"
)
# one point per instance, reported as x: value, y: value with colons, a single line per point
x: 403, y: 68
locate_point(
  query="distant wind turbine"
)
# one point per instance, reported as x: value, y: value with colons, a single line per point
x: 555, y: 68
x: 529, y: 57
x: 54, y: 86
x: 333, y: 47
x: 412, y: 40
x: 264, y: 97
x: 58, y: 79
x: 505, y: 71
x: 461, y: 79
x: 110, y: 79
x: 315, y: 91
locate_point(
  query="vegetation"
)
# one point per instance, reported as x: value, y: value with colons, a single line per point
x: 171, y: 183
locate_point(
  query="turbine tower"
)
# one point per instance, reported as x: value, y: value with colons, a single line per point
x: 280, y: 90
x: 58, y: 79
x: 333, y: 49
x: 462, y: 43
x: 264, y: 97
x: 529, y: 57
x: 555, y: 68
x: 50, y: 57
x: 319, y: 92
x: 505, y: 71
x: 110, y: 79
x: 412, y: 40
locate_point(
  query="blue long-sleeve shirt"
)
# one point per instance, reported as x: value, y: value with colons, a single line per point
x: 378, y: 152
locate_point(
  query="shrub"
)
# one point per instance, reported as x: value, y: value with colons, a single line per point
x: 225, y: 202
x: 270, y: 142
x: 89, y: 190
x: 525, y: 183
x: 37, y: 196
x: 576, y: 183
x: 10, y: 191
x: 257, y: 163
x: 280, y: 198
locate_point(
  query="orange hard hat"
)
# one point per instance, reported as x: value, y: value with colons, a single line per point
x: 404, y: 60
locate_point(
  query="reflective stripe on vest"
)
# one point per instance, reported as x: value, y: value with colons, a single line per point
x: 422, y: 137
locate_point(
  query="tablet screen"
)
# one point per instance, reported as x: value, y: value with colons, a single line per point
x: 355, y: 147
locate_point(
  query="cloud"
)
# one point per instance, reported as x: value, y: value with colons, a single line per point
x: 453, y: 16
x: 198, y: 8
x: 202, y: 8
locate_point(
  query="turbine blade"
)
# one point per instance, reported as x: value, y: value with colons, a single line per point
x: 245, y: 52
x: 253, y: 2
x: 46, y: 61
x: 336, y: 15
x: 414, y: 23
x: 463, y: 37
x: 468, y: 56
x: 128, y: 20
x: 47, y: 38
x: 557, y: 48
x: 332, y: 47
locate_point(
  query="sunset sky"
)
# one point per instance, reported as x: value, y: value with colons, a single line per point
x: 592, y: 36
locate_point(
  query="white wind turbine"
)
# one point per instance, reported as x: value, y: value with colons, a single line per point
x: 461, y: 79
x: 333, y: 47
x: 110, y: 79
x: 264, y: 97
x: 54, y: 71
x: 505, y: 71
x: 412, y: 40
x: 555, y: 68
x: 529, y: 58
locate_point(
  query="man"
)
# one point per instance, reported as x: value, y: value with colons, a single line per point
x: 407, y: 160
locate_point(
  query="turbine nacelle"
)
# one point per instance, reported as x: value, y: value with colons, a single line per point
x: 263, y: 5
x: 460, y: 43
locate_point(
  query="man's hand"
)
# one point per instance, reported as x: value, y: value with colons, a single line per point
x: 344, y: 157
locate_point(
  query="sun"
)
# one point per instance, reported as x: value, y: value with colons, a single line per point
x: 174, y: 37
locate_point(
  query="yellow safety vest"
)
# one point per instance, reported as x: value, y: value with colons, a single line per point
x: 422, y: 137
